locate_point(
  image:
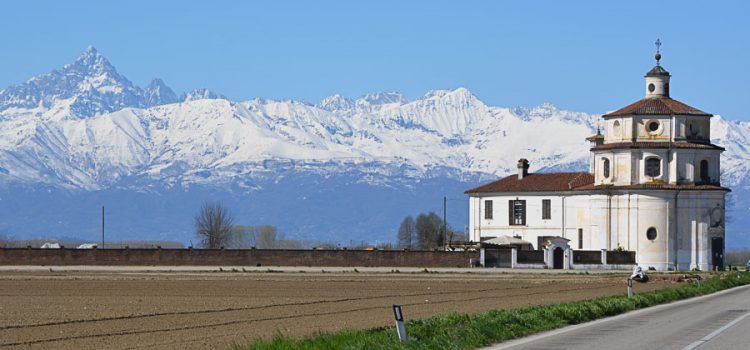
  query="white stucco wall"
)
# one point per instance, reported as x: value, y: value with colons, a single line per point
x: 480, y: 227
x: 617, y: 219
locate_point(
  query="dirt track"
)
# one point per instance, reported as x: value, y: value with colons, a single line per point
x: 213, y: 310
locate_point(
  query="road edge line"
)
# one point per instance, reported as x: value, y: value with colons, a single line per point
x: 715, y: 333
x: 520, y: 341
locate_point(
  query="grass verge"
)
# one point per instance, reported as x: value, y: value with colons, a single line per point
x: 461, y: 331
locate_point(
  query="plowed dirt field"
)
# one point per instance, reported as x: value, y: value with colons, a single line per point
x: 183, y: 310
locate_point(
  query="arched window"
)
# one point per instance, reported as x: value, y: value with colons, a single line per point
x: 616, y: 129
x: 605, y: 165
x: 704, y: 171
x: 653, y: 167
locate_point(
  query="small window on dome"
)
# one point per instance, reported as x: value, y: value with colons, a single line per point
x: 651, y: 233
x: 651, y: 87
x: 605, y: 165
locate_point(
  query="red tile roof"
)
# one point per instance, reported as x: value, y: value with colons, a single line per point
x: 676, y: 144
x: 657, y: 106
x: 537, y: 182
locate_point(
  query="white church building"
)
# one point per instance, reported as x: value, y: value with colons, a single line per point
x: 652, y: 188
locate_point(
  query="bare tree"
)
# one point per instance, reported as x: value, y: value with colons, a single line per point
x: 428, y: 227
x: 268, y: 237
x: 456, y: 236
x: 406, y: 232
x: 242, y: 237
x: 213, y: 225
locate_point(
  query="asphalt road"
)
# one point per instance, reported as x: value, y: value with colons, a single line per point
x: 717, y: 321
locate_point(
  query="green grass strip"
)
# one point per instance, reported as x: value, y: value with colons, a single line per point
x: 462, y: 331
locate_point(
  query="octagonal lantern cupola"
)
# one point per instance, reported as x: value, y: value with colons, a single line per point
x: 657, y: 79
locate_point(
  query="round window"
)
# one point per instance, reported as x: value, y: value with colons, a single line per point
x: 651, y: 87
x: 653, y: 126
x: 651, y: 233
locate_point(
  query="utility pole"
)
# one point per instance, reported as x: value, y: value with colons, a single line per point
x: 102, y: 227
x: 445, y: 219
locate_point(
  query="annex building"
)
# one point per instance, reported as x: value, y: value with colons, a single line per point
x: 653, y: 187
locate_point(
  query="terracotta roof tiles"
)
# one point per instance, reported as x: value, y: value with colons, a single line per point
x: 537, y: 182
x: 657, y: 106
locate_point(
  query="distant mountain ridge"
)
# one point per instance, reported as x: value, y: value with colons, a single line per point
x: 86, y: 128
x: 88, y: 87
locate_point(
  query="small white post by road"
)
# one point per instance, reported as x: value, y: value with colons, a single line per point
x: 400, y: 328
x: 630, y: 287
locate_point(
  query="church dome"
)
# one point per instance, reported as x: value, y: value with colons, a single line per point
x: 657, y: 71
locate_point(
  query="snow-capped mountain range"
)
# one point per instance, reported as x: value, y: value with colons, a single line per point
x: 87, y: 128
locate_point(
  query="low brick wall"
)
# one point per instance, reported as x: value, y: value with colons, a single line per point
x: 238, y: 257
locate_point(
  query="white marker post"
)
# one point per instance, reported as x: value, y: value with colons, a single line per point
x: 630, y: 288
x: 400, y: 328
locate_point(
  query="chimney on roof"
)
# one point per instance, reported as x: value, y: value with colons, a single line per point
x: 523, y: 168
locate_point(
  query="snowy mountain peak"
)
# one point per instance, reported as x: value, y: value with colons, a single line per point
x: 90, y: 51
x: 202, y: 94
x: 158, y: 93
x: 94, y: 61
x: 379, y: 99
x: 545, y: 109
x: 548, y: 111
x: 387, y: 97
x: 336, y: 103
x: 461, y: 92
x: 87, y: 87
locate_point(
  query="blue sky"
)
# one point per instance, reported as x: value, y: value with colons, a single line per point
x: 580, y: 55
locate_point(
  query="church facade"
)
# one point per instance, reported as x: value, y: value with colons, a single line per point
x: 653, y: 187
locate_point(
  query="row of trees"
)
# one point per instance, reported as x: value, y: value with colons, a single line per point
x: 214, y: 225
x: 427, y: 232
x: 261, y: 237
x: 215, y: 228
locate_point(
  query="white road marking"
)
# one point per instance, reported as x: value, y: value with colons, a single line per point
x: 539, y: 336
x: 713, y: 334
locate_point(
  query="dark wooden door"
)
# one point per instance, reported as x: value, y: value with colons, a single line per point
x: 717, y: 253
x: 558, y: 255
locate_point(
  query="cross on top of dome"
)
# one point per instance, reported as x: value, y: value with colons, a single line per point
x: 658, y: 54
x: 658, y: 70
